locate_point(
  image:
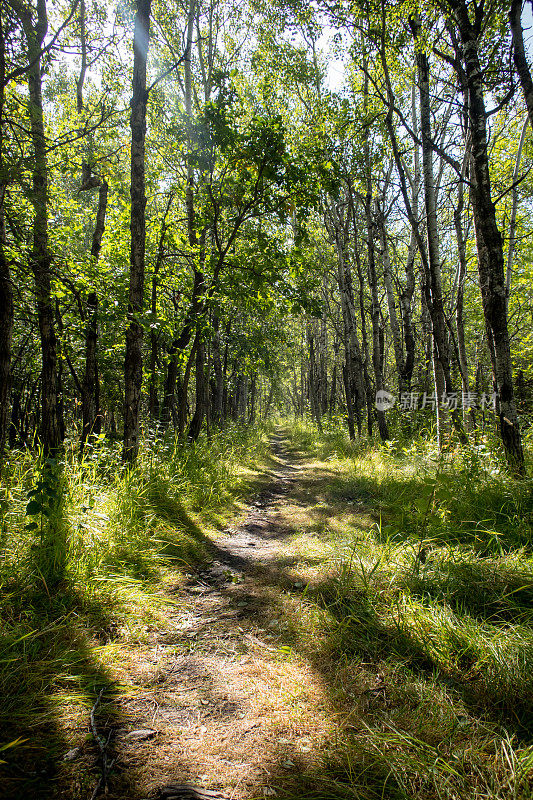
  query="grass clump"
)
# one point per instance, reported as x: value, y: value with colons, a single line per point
x: 89, y: 550
x: 427, y: 620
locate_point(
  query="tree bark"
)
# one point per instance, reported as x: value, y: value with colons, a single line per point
x: 183, y: 390
x: 313, y: 394
x: 353, y: 372
x: 133, y: 365
x: 461, y: 279
x: 368, y: 387
x: 40, y: 259
x: 253, y: 393
x: 153, y: 398
x: 441, y: 355
x: 322, y: 350
x: 218, y: 389
x: 195, y: 425
x: 372, y: 279
x: 489, y: 242
x: 406, y: 294
x: 6, y: 289
x: 391, y: 303
x: 519, y: 55
x: 92, y: 420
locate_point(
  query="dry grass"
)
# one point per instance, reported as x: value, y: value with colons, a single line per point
x: 328, y: 662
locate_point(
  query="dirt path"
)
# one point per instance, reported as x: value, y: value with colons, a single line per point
x: 222, y: 704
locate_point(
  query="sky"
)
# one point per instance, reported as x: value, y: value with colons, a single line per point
x: 335, y: 76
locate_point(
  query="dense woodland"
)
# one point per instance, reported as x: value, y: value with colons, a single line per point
x: 215, y: 214
x: 197, y: 228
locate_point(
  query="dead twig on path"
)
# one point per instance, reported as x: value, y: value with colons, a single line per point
x: 103, y: 744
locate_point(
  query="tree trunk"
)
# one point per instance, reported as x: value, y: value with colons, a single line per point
x: 176, y: 348
x: 201, y: 391
x: 372, y: 277
x: 218, y: 389
x: 92, y: 420
x: 6, y: 335
x: 6, y: 289
x: 376, y: 310
x: 153, y: 398
x: 368, y: 387
x: 253, y: 391
x: 183, y: 391
x: 489, y: 244
x: 333, y: 390
x: 322, y: 350
x: 313, y: 394
x: 40, y: 260
x: 441, y: 358
x: 407, y: 292
x: 353, y: 372
x: 459, y: 310
x: 133, y: 365
x: 405, y: 301
x: 391, y: 303
x: 519, y: 55
x: 60, y: 396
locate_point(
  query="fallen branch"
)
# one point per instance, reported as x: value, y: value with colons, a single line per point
x: 103, y: 744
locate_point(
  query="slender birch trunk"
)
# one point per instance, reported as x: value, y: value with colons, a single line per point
x: 373, y: 283
x: 6, y: 289
x: 391, y: 302
x: 40, y: 259
x: 133, y: 365
x: 519, y: 55
x: 489, y: 242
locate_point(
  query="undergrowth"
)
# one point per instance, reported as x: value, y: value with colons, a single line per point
x: 87, y: 548
x: 427, y: 611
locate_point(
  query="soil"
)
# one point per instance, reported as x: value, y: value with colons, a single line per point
x: 221, y: 704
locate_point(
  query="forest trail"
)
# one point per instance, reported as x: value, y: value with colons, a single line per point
x: 228, y: 698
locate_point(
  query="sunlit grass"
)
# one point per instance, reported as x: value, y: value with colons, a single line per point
x: 423, y: 607
x: 404, y: 592
x: 92, y: 576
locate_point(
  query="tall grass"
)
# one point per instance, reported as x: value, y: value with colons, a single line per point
x: 428, y: 601
x: 86, y: 548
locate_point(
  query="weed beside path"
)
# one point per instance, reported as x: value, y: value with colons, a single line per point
x: 326, y: 644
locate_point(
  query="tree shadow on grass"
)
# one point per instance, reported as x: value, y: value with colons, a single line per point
x: 493, y: 593
x: 490, y: 516
x: 357, y: 633
x: 51, y: 677
x: 47, y: 670
x: 354, y: 634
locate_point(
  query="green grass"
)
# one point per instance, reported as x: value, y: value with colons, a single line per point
x: 427, y: 613
x: 87, y: 573
x: 418, y: 617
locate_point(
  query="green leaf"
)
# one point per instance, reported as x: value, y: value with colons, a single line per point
x: 32, y: 508
x: 421, y: 504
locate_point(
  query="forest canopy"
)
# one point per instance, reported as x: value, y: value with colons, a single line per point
x: 198, y: 223
x: 266, y: 399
